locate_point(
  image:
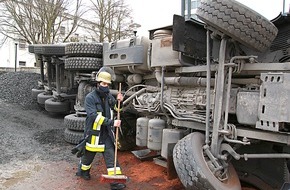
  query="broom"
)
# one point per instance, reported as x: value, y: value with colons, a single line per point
x: 115, y: 178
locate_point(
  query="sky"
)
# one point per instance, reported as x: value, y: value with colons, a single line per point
x: 151, y: 14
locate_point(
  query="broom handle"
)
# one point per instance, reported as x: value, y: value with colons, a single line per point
x: 117, y: 130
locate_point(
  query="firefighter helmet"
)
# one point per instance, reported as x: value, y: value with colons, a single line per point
x: 104, y: 77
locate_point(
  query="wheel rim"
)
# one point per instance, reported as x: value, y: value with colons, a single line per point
x: 193, y: 170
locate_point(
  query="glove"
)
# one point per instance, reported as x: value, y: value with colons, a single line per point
x: 117, y: 123
x: 120, y: 97
x: 79, y: 150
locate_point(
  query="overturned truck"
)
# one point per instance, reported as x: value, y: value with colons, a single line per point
x: 213, y: 94
x: 218, y: 90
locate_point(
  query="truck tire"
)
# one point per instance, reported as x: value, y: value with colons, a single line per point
x: 73, y: 122
x: 239, y: 22
x: 73, y: 137
x: 53, y: 49
x: 54, y: 106
x: 42, y: 97
x: 48, y: 49
x: 192, y: 169
x: 127, y: 135
x: 84, y: 50
x: 35, y: 92
x: 83, y: 89
x: 83, y: 63
x: 37, y: 48
x: 30, y: 48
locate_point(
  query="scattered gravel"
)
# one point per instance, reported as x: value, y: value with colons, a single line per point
x: 15, y: 87
x: 27, y: 130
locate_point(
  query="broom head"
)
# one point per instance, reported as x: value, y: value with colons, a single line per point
x: 114, y: 178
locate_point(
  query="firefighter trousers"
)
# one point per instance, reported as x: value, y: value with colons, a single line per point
x: 108, y: 154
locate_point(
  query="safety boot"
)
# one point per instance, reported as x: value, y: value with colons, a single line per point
x: 85, y: 174
x: 117, y: 186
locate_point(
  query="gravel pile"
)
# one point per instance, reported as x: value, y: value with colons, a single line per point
x: 15, y: 87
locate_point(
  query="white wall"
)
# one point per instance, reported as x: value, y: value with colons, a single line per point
x: 7, y: 55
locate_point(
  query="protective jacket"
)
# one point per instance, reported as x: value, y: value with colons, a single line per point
x: 99, y: 121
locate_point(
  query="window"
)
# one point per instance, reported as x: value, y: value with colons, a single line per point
x: 62, y: 30
x: 22, y: 63
x: 22, y: 44
x: 85, y: 39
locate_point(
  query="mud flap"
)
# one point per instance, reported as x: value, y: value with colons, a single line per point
x: 171, y: 172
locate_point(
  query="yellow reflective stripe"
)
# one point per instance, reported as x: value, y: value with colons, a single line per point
x: 97, y: 121
x: 101, y: 122
x: 93, y: 141
x: 97, y: 126
x: 85, y: 167
x: 111, y: 171
x: 95, y: 148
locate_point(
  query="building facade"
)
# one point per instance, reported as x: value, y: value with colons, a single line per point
x: 14, y: 52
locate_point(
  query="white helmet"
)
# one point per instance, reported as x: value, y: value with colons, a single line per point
x: 107, y: 70
x: 104, y: 76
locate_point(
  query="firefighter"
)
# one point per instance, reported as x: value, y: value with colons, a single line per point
x: 99, y: 130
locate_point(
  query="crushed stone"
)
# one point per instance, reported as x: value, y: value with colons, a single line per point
x: 15, y: 87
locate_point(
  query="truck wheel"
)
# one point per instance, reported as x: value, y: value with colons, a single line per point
x: 54, y: 106
x: 127, y: 138
x: 42, y: 97
x: 48, y: 49
x: 192, y: 168
x: 30, y: 48
x: 73, y: 122
x: 35, y: 92
x: 239, y: 22
x: 53, y: 49
x: 84, y: 50
x: 73, y: 137
x: 37, y: 48
x: 83, y: 89
x: 83, y: 63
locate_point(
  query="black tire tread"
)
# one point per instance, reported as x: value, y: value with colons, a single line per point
x: 185, y: 165
x: 192, y: 169
x: 239, y: 22
x: 84, y: 50
x: 48, y: 49
x: 73, y: 122
x: 53, y: 49
x: 30, y: 48
x: 83, y: 63
x: 73, y: 137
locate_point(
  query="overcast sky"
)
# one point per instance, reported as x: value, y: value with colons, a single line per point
x: 152, y: 14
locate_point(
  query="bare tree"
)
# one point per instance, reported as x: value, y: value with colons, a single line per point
x: 39, y: 21
x: 113, y: 18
